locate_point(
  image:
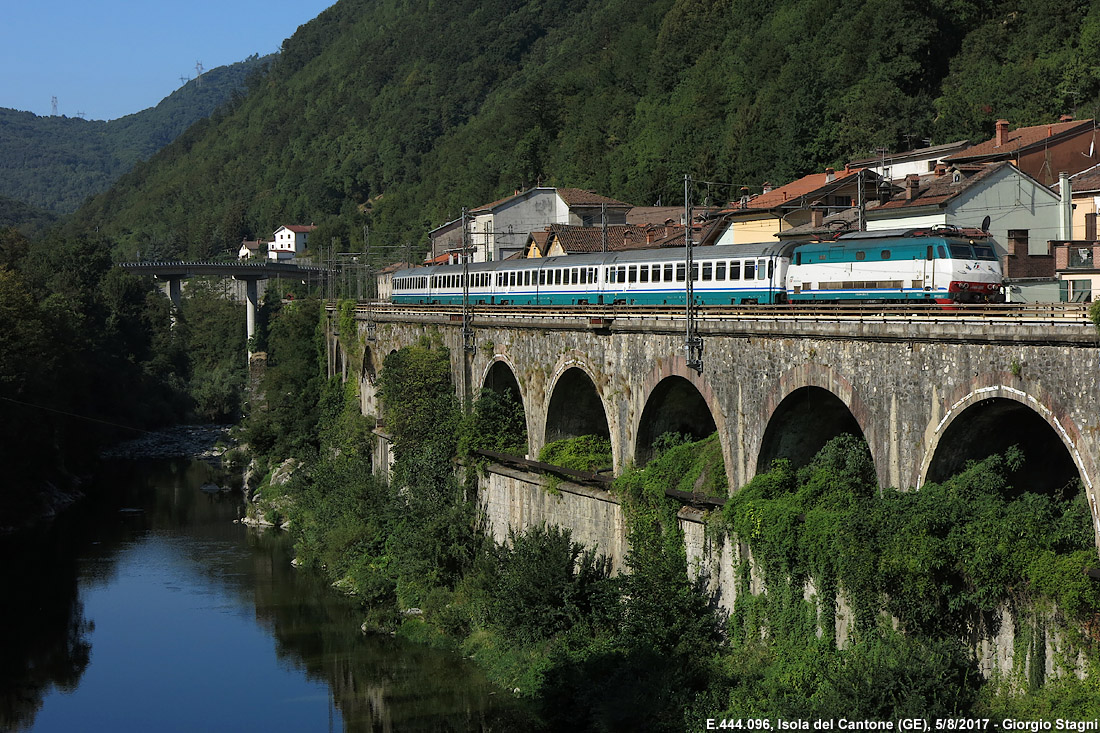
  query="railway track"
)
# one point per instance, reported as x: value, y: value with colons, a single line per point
x: 1023, y: 314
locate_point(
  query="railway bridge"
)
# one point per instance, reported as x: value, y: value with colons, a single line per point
x: 928, y: 389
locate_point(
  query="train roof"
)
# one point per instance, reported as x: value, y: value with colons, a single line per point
x: 663, y: 254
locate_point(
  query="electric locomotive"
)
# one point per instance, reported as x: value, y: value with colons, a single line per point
x: 897, y: 266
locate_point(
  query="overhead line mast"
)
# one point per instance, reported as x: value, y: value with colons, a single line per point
x: 693, y: 344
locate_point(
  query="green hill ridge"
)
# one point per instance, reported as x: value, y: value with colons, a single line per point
x: 54, y: 163
x: 394, y: 115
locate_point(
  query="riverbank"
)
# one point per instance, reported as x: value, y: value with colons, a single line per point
x: 28, y: 506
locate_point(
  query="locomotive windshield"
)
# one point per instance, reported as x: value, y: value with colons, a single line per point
x: 961, y: 251
x: 984, y: 252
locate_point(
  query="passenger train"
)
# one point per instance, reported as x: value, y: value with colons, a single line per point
x: 896, y: 266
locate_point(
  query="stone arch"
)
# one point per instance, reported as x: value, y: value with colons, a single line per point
x: 500, y: 376
x: 988, y: 420
x: 575, y: 406
x: 812, y: 405
x: 678, y: 399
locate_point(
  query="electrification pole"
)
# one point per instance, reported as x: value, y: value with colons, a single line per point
x: 467, y: 312
x: 693, y: 345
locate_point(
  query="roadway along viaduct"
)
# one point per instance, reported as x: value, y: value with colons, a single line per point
x: 928, y: 392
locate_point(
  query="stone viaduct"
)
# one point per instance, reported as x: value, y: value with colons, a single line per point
x: 927, y: 393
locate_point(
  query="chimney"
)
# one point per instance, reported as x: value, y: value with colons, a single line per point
x: 941, y: 169
x: 1002, y: 132
x: 817, y: 215
x: 830, y: 175
x: 912, y: 184
x: 744, y: 196
x: 767, y: 187
x: 1065, y: 223
x: 649, y: 236
x: 1066, y: 118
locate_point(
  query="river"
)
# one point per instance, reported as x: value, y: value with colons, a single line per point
x: 149, y: 609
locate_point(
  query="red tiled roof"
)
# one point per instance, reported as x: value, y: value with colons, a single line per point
x: 1018, y: 139
x: 802, y: 188
x: 539, y: 239
x: 571, y: 196
x: 1086, y: 180
x: 300, y: 228
x: 442, y: 259
x: 938, y: 190
x: 580, y: 197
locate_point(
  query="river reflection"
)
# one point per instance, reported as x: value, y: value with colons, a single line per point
x: 149, y: 609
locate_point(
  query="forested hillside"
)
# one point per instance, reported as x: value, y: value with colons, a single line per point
x: 396, y: 114
x: 54, y: 163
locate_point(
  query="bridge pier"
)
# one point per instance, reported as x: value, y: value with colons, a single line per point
x: 252, y: 298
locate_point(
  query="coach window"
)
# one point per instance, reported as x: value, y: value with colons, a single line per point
x: 681, y: 268
x: 695, y: 272
x: 750, y: 270
x: 668, y: 273
x: 632, y: 274
x: 735, y: 269
x: 707, y: 270
x: 771, y: 268
x: 643, y: 274
x: 761, y: 270
x: 574, y: 276
x: 719, y: 270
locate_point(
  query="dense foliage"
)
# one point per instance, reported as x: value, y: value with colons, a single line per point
x: 866, y: 599
x: 54, y: 163
x: 90, y: 354
x: 355, y: 125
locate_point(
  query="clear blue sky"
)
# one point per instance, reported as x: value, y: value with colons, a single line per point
x: 110, y: 58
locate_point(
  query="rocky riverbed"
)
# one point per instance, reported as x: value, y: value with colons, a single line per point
x: 205, y: 442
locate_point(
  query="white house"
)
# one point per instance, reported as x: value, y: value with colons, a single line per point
x: 897, y: 166
x: 252, y: 249
x: 290, y: 241
x: 998, y: 197
x: 500, y: 230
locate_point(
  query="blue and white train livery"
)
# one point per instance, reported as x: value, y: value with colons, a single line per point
x: 885, y: 267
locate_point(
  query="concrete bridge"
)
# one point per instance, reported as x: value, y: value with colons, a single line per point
x: 174, y: 272
x: 929, y: 391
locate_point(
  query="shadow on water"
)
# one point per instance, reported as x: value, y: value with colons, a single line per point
x: 48, y: 639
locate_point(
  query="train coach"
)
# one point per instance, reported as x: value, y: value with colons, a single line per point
x: 883, y: 267
x: 745, y: 274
